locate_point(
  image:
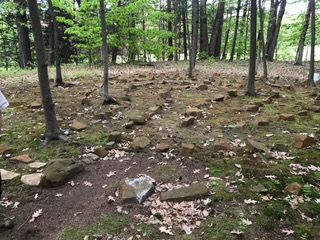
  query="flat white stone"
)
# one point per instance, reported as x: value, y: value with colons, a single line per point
x: 8, y: 175
x: 37, y: 165
x: 33, y: 179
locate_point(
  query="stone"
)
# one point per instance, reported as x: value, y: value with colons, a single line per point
x: 128, y: 125
x: 202, y: 87
x: 287, y: 117
x: 188, y: 121
x: 93, y: 156
x: 263, y: 123
x: 293, y: 188
x: 279, y: 147
x: 162, y: 147
x: 259, y: 188
x: 99, y: 116
x: 254, y: 146
x: 316, y: 102
x: 138, y: 120
x: 140, y: 142
x: 33, y: 179
x: 267, y: 100
x: 303, y: 141
x: 37, y: 165
x: 115, y: 137
x: 59, y: 171
x: 155, y: 110
x: 8, y: 175
x: 136, y: 190
x: 190, y: 193
x: 275, y: 94
x: 241, y: 124
x: 36, y: 104
x: 85, y: 101
x: 100, y: 151
x: 195, y: 112
x: 218, y: 97
x: 223, y: 146
x: 251, y: 108
x: 314, y: 108
x: 5, y: 149
x: 25, y: 158
x: 187, y: 148
x: 78, y: 126
x: 165, y: 94
x: 303, y: 113
x: 232, y: 93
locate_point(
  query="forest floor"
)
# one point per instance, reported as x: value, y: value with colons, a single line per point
x: 268, y: 191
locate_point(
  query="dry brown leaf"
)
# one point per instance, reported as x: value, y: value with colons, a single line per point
x: 35, y: 215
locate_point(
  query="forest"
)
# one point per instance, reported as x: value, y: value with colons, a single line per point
x: 160, y: 119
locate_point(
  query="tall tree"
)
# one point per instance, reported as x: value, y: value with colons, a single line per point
x: 194, y: 43
x: 313, y: 40
x: 216, y: 34
x: 170, y: 39
x: 299, y: 54
x: 204, y: 41
x: 23, y: 34
x: 185, y: 28
x: 59, y: 81
x: 253, y: 50
x: 235, y: 33
x: 274, y: 25
x: 226, y: 38
x: 52, y: 129
x: 261, y: 42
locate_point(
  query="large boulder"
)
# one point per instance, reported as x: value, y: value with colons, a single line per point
x: 59, y: 171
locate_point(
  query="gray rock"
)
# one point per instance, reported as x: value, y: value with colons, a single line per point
x: 138, y: 120
x: 93, y: 156
x: 187, y: 122
x: 202, y: 87
x: 136, y: 190
x: 254, y: 146
x: 33, y: 179
x: 59, y: 171
x: 189, y: 193
x: 8, y: 175
x: 165, y: 94
x: 140, y: 142
x: 115, y: 137
x: 37, y: 165
x: 195, y: 112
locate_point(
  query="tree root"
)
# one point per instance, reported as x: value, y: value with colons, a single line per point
x: 109, y: 101
x: 49, y: 137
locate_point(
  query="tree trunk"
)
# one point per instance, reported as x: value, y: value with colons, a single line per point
x: 253, y: 50
x: 170, y: 40
x: 104, y: 50
x: 58, y: 81
x: 313, y: 41
x: 23, y: 35
x: 52, y: 129
x: 299, y: 55
x: 215, y: 40
x: 235, y: 31
x: 204, y: 41
x: 226, y: 39
x: 185, y: 30
x: 195, y: 28
x: 263, y: 48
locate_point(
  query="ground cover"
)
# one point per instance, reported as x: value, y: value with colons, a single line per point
x: 262, y: 185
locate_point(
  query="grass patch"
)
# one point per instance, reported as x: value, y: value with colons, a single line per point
x: 108, y: 224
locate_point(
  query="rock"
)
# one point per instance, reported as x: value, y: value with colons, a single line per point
x: 232, y: 93
x: 275, y: 94
x: 187, y: 148
x: 287, y: 117
x: 129, y: 125
x: 195, y: 112
x: 59, y: 171
x: 22, y: 158
x: 316, y: 102
x: 280, y: 147
x: 314, y: 108
x: 293, y: 188
x: 138, y: 120
x: 188, y: 121
x: 140, y: 142
x: 100, y: 151
x: 165, y: 94
x: 268, y: 100
x: 8, y: 175
x: 303, y: 113
x: 303, y: 141
x: 259, y: 188
x: 33, y: 179
x: 5, y: 149
x: 254, y: 146
x: 202, y: 87
x: 93, y: 156
x: 251, y: 108
x: 162, y: 147
x: 263, y: 123
x: 115, y: 137
x: 241, y: 124
x: 36, y: 104
x: 136, y: 190
x: 190, y: 193
x: 218, y: 97
x: 99, y: 116
x: 78, y: 126
x: 155, y: 110
x: 223, y: 146
x: 37, y: 165
x: 85, y: 101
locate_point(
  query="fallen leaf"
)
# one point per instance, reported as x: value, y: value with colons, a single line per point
x: 87, y: 184
x: 111, y: 173
x: 250, y: 201
x: 246, y: 222
x: 59, y: 195
x: 236, y: 232
x: 287, y: 232
x: 163, y: 229
x: 35, y: 215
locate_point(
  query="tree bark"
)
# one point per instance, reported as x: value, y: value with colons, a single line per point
x: 23, y: 35
x: 195, y: 28
x: 204, y: 41
x: 215, y: 40
x: 185, y: 30
x: 235, y: 34
x: 170, y: 40
x: 253, y: 50
x: 226, y: 39
x: 299, y: 54
x: 313, y: 41
x: 59, y: 81
x: 52, y: 129
x: 104, y: 50
x: 263, y: 48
